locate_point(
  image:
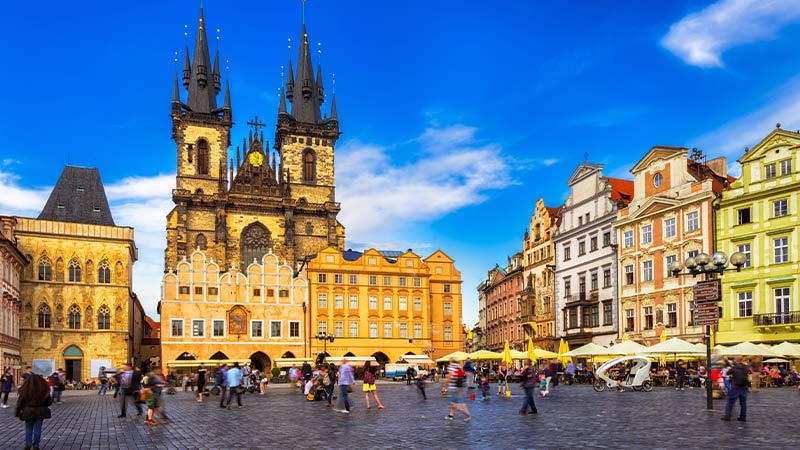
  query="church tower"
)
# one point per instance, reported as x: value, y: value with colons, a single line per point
x: 201, y: 131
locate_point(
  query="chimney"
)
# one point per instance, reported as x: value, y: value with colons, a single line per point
x: 719, y: 166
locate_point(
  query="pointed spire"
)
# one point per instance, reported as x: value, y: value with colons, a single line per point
x: 282, y: 105
x: 290, y: 82
x: 227, y: 104
x: 320, y: 90
x: 334, y: 115
x: 305, y: 107
x: 202, y: 93
x: 176, y: 91
x: 187, y: 68
x: 217, y: 78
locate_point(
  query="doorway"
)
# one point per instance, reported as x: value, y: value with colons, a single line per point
x: 73, y: 356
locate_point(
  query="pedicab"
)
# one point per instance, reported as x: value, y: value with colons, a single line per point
x: 636, y: 378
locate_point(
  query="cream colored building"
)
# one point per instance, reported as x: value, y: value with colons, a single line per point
x: 12, y: 263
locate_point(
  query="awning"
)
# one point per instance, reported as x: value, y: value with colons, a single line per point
x: 351, y: 359
x: 417, y: 359
x: 288, y: 362
x: 175, y: 363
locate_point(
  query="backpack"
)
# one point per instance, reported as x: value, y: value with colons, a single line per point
x: 739, y: 376
x: 369, y: 377
x: 460, y: 376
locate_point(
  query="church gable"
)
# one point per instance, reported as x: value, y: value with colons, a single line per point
x: 658, y: 153
x: 777, y: 139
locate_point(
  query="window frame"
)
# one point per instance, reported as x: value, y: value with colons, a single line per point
x: 783, y: 247
x: 224, y: 328
x: 172, y: 323
x: 742, y: 304
x: 647, y: 268
x: 647, y: 234
x: 272, y: 334
x: 780, y: 208
x: 202, y: 334
x: 692, y: 217
x: 670, y: 228
x: 627, y: 239
x: 261, y: 323
x: 297, y: 323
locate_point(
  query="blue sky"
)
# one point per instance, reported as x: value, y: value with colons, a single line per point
x: 457, y: 115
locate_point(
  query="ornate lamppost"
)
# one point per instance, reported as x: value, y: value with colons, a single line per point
x: 710, y: 266
x: 324, y: 337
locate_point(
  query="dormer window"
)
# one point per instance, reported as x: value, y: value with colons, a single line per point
x: 81, y: 189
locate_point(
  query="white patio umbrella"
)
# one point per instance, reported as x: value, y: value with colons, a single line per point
x: 748, y: 349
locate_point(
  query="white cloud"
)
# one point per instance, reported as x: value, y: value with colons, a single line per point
x: 20, y: 201
x: 702, y: 37
x: 453, y: 171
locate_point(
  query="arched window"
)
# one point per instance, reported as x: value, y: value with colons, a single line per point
x: 202, y: 157
x: 104, y: 272
x: 74, y: 271
x: 43, y: 316
x: 254, y: 244
x: 74, y: 319
x: 104, y: 318
x: 309, y: 165
x: 200, y: 242
x: 45, y: 269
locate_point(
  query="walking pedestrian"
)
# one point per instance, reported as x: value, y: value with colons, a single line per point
x: 739, y: 382
x: 306, y: 371
x: 103, y: 384
x: 202, y: 375
x: 222, y: 383
x: 234, y: 378
x: 502, y: 379
x: 116, y: 379
x: 369, y: 385
x: 127, y: 387
x: 409, y: 375
x: 27, y: 373
x: 56, y: 386
x: 6, y: 382
x: 570, y: 373
x: 469, y: 370
x: 421, y: 388
x: 32, y: 407
x: 346, y: 381
x: 153, y: 388
x: 455, y: 381
x: 680, y: 370
x: 246, y: 370
x: 215, y: 374
x: 528, y: 381
x: 331, y: 383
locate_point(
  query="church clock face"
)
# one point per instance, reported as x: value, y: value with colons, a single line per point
x: 256, y: 159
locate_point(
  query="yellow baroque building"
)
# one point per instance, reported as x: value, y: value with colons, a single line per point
x: 385, y: 304
x: 758, y: 216
x: 79, y: 312
x: 208, y: 313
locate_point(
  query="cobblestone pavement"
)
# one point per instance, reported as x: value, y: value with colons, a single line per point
x: 573, y: 416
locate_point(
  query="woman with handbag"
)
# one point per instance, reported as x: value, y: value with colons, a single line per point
x: 369, y: 385
x: 32, y: 407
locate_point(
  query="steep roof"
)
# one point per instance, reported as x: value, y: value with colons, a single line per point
x: 621, y: 190
x: 702, y: 171
x: 78, y: 197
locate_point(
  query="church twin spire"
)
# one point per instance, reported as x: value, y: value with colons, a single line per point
x: 305, y: 91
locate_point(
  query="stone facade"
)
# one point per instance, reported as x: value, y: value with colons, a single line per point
x: 79, y: 312
x: 758, y: 216
x: 12, y: 263
x: 385, y: 306
x: 538, y: 300
x: 670, y: 218
x: 210, y: 312
x: 586, y: 262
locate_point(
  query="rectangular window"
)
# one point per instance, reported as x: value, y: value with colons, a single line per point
x: 322, y: 327
x: 629, y: 274
x: 353, y: 301
x: 322, y: 278
x: 647, y: 234
x: 338, y: 329
x: 218, y: 326
x: 672, y: 315
x: 745, y: 249
x: 198, y: 328
x: 608, y: 315
x: 373, y: 302
x: 176, y: 328
x: 373, y: 280
x: 648, y: 317
x: 630, y: 321
x: 387, y: 281
x: 373, y: 329
x: 387, y: 329
x: 283, y: 293
x: 692, y: 221
x: 387, y: 304
x: 418, y: 304
x: 693, y: 253
x: 256, y: 292
x: 567, y: 287
x: 446, y: 288
x: 606, y: 239
x: 572, y: 318
x: 322, y: 301
x: 786, y: 166
x: 213, y: 291
x: 402, y: 281
x: 606, y: 278
x: 593, y: 243
x: 595, y: 316
x: 566, y: 253
x: 448, y: 309
x: 782, y: 305
x: 275, y: 328
x: 294, y: 328
x: 593, y: 281
x: 582, y: 285
x: 197, y: 290
x: 404, y: 330
x: 781, y: 249
x: 417, y: 330
x: 403, y: 304
x: 669, y: 227
x: 581, y: 248
x: 448, y: 333
x: 338, y: 278
x: 769, y: 171
x: 780, y: 208
x: 257, y: 328
x: 742, y: 216
x: 353, y: 279
x: 338, y: 301
x: 647, y: 271
x: 628, y: 238
x: 417, y: 282
x: 667, y: 261
x: 745, y: 302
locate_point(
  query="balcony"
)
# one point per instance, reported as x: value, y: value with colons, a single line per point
x: 777, y: 319
x: 582, y: 297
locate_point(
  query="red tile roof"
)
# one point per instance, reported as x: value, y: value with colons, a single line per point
x: 621, y: 190
x: 155, y: 327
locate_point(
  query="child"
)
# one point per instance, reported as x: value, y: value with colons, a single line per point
x: 484, y: 385
x: 421, y: 388
x: 543, y: 385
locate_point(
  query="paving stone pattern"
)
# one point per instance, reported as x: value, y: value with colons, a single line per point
x: 573, y: 416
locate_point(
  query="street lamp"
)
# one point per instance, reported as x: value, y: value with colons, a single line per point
x: 324, y: 337
x: 710, y: 266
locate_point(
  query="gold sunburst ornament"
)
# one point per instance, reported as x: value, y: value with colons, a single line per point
x: 256, y: 159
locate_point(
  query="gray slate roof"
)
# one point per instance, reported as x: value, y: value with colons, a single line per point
x: 78, y: 197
